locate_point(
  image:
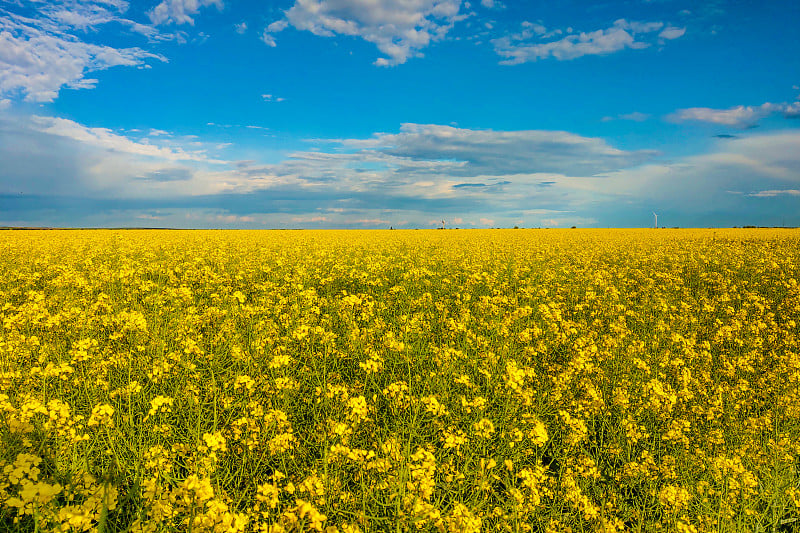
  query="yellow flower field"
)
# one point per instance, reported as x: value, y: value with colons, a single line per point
x: 447, y: 381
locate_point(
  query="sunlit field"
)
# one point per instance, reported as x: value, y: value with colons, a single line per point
x: 445, y: 381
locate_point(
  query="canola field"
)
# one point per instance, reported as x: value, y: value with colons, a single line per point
x: 455, y: 381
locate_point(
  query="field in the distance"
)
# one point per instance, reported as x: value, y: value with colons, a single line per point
x: 451, y: 381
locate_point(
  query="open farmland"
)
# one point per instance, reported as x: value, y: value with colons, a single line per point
x: 454, y: 381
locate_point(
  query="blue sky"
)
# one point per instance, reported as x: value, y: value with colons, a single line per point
x: 378, y: 113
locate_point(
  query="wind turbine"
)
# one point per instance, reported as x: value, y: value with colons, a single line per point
x: 656, y: 221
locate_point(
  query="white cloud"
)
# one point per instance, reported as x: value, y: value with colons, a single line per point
x: 400, y: 30
x: 532, y: 30
x: 768, y: 162
x: 84, y: 15
x: 638, y: 27
x: 439, y: 165
x: 671, y: 32
x: 108, y: 140
x: 773, y: 193
x: 40, y: 65
x: 272, y: 98
x: 738, y: 116
x: 791, y: 110
x: 269, y: 39
x: 240, y: 28
x: 179, y: 11
x: 429, y: 163
x: 40, y: 56
x: 487, y: 221
x: 55, y: 156
x: 622, y: 34
x: 492, y: 4
x: 276, y: 27
x: 470, y: 152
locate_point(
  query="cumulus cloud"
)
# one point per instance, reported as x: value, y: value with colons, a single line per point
x: 738, y: 116
x: 432, y: 169
x: 755, y: 165
x: 179, y: 11
x: 529, y: 46
x: 106, y: 139
x: 269, y: 33
x: 84, y: 15
x: 400, y: 30
x: 58, y: 157
x: 791, y: 110
x: 489, y: 152
x: 40, y: 56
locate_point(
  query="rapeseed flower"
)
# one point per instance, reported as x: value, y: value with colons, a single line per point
x: 446, y: 381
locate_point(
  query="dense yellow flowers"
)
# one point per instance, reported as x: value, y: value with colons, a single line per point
x: 101, y: 416
x: 437, y: 381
